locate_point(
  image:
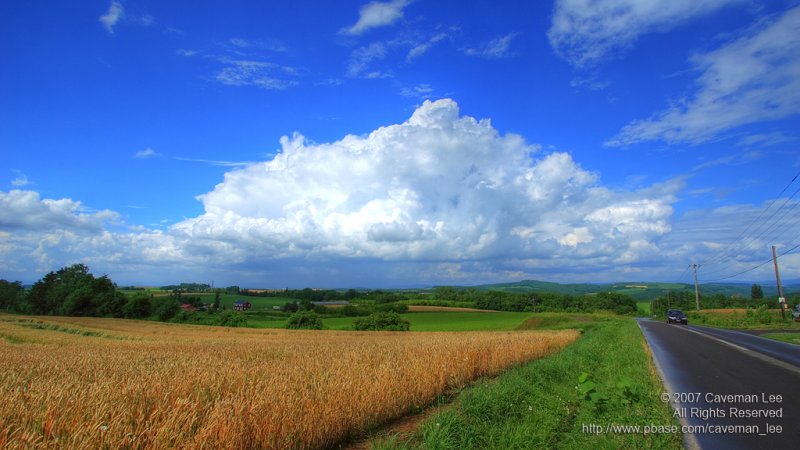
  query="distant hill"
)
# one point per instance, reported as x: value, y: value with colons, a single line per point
x: 639, y: 290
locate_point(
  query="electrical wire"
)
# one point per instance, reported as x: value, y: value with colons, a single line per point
x: 722, y: 254
x: 754, y: 267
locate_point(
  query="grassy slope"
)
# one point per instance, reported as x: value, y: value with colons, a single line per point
x: 537, y: 405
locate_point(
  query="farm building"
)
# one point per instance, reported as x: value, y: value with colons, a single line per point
x: 242, y: 305
x: 188, y: 307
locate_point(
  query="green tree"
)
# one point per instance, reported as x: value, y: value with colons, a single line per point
x: 217, y: 300
x: 302, y: 319
x: 445, y: 293
x: 12, y: 295
x: 138, y: 306
x: 167, y: 308
x: 74, y: 291
x: 382, y: 321
x: 756, y: 292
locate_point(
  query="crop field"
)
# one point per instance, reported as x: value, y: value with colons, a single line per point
x: 110, y: 383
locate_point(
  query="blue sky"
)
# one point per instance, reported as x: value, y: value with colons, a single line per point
x: 399, y: 143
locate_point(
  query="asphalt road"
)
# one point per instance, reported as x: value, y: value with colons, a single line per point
x: 735, y: 390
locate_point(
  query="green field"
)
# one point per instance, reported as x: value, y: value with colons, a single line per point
x: 644, y: 307
x: 425, y: 321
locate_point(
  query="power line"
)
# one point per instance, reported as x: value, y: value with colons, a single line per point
x: 685, y: 271
x: 721, y: 255
x: 754, y: 267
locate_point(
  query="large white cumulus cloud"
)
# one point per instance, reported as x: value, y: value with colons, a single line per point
x: 438, y: 198
x: 439, y: 186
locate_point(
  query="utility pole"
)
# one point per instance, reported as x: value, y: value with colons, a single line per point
x: 696, y: 288
x: 781, y: 298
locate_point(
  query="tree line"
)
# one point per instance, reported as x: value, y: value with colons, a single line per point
x: 75, y: 291
x: 686, y: 301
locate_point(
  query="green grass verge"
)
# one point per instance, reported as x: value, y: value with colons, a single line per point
x: 792, y: 338
x: 539, y: 405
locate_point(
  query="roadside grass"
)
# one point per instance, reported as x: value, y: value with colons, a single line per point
x: 791, y: 338
x: 743, y: 319
x: 543, y: 405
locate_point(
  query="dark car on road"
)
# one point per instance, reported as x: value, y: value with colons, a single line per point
x: 677, y: 316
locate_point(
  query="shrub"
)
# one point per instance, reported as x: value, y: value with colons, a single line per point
x: 232, y: 319
x: 166, y: 309
x: 398, y: 308
x: 137, y: 307
x: 307, y: 320
x: 352, y: 311
x: 382, y: 321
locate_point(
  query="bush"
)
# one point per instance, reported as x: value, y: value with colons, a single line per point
x: 290, y: 307
x: 167, y: 309
x: 306, y: 320
x: 137, y: 307
x: 232, y: 319
x: 382, y: 321
x: 352, y: 311
x: 398, y: 308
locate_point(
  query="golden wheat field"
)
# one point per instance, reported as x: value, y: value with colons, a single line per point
x: 108, y: 383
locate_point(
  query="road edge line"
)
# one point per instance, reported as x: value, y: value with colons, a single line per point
x: 690, y: 441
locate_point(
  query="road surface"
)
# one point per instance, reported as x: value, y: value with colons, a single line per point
x: 735, y: 390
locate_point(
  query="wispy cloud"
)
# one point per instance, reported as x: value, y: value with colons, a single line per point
x: 254, y: 73
x: 764, y: 139
x: 214, y: 162
x: 376, y: 14
x: 112, y: 16
x: 187, y: 52
x: 146, y: 153
x: 496, y: 48
x: 363, y: 56
x: 421, y: 91
x: 21, y: 180
x: 736, y: 159
x: 752, y: 79
x: 585, y: 32
x: 271, y: 45
x: 590, y: 82
x: 421, y: 49
x: 150, y: 153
